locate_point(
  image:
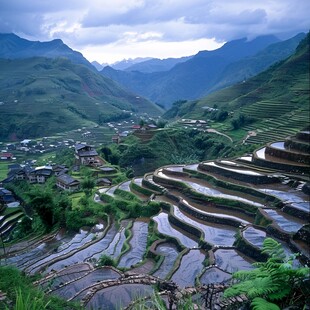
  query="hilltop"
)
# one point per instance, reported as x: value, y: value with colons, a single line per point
x: 42, y: 96
x: 14, y: 47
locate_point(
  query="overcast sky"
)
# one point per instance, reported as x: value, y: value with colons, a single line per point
x: 111, y: 30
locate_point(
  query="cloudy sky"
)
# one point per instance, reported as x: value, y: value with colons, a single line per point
x: 111, y: 30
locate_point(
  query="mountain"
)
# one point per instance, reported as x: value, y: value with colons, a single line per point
x: 98, y: 66
x: 14, y: 47
x: 271, y: 105
x: 157, y: 65
x: 125, y: 63
x: 205, y: 71
x: 250, y: 66
x: 42, y: 96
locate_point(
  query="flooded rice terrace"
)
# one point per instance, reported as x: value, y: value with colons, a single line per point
x: 208, y: 227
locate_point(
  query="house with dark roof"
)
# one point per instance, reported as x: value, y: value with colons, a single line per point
x: 6, y: 196
x: 67, y: 183
x: 60, y: 169
x: 27, y: 172
x: 39, y: 174
x: 85, y: 154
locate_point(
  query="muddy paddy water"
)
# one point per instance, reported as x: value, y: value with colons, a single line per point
x: 118, y: 297
x: 190, y: 267
x: 170, y: 253
x: 215, y: 234
x: 164, y: 227
x: 137, y: 245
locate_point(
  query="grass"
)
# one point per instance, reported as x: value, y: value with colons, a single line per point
x: 25, y: 296
x: 4, y: 169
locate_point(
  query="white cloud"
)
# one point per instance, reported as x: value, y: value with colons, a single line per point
x: 133, y: 26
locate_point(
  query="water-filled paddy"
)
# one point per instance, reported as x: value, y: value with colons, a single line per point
x: 213, y: 233
x: 118, y: 297
x: 190, y: 267
x: 170, y: 253
x: 137, y: 245
x: 69, y: 290
x: 230, y: 260
x: 214, y: 275
x: 165, y: 228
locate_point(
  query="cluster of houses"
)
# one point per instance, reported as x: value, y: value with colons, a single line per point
x: 118, y: 136
x: 84, y: 155
x: 32, y: 147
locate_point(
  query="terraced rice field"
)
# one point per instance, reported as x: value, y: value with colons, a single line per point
x: 199, y: 225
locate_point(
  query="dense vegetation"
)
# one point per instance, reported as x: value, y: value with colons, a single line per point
x: 22, y: 295
x: 273, y: 283
x: 171, y: 146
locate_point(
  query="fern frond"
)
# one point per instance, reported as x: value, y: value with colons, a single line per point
x: 262, y: 304
x: 280, y: 293
x: 262, y: 287
x: 302, y: 272
x: 274, y: 249
x: 246, y: 274
x: 238, y: 289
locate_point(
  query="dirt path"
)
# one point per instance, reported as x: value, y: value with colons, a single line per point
x: 219, y: 133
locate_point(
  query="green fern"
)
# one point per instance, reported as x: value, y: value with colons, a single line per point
x: 274, y: 280
x: 261, y: 304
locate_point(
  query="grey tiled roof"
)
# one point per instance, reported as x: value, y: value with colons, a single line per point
x: 88, y: 153
x: 66, y: 179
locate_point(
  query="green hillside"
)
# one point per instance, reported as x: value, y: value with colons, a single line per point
x: 272, y: 105
x: 41, y: 96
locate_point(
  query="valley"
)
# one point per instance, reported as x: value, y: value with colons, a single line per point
x: 109, y: 202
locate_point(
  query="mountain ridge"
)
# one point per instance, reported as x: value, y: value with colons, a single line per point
x: 271, y: 105
x: 15, y: 47
x: 193, y: 78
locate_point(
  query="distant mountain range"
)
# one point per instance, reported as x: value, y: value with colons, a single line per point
x: 206, y: 71
x: 272, y: 104
x: 146, y: 65
x: 46, y: 87
x: 120, y: 65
